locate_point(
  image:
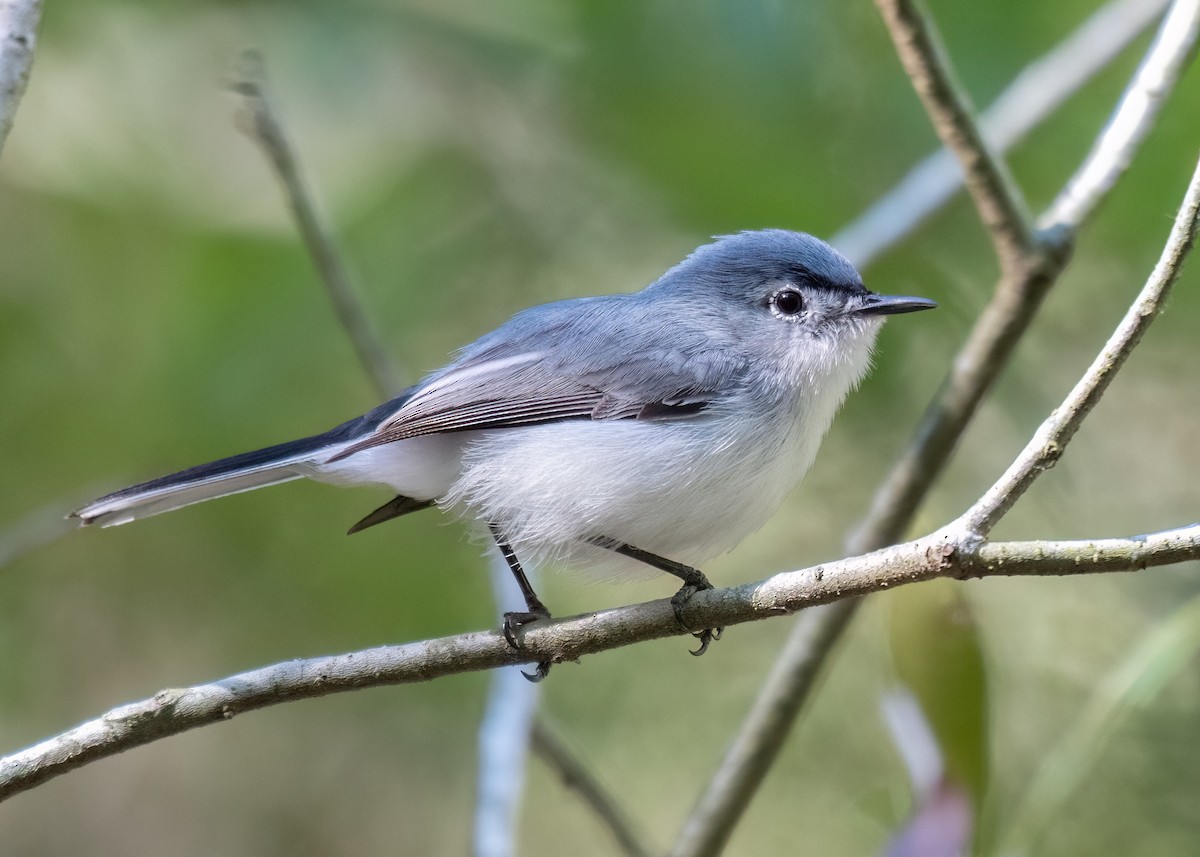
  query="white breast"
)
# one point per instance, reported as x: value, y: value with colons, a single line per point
x: 687, y: 490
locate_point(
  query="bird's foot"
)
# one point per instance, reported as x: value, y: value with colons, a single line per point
x: 516, y: 620
x: 694, y: 582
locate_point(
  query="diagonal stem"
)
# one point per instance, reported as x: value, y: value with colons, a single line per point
x: 995, y: 193
x: 986, y: 351
x: 264, y: 128
x: 18, y: 37
x: 575, y: 775
x: 1034, y: 94
x: 1052, y: 437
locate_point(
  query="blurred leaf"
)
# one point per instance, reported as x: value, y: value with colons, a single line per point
x: 938, y: 656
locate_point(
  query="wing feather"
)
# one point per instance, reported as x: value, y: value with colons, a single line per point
x: 504, y: 382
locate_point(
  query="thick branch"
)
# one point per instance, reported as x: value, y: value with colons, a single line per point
x: 996, y: 195
x: 170, y: 712
x: 263, y: 126
x: 18, y: 37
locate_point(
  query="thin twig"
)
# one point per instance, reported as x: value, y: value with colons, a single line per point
x: 18, y: 38
x: 173, y: 711
x: 264, y: 127
x: 512, y: 702
x: 1113, y: 151
x: 1168, y: 649
x: 996, y: 195
x: 1034, y: 95
x: 575, y: 775
x: 1052, y: 437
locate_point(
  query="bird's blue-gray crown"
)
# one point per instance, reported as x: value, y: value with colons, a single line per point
x: 733, y: 262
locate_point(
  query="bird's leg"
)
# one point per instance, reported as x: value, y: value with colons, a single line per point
x: 535, y: 609
x: 693, y: 581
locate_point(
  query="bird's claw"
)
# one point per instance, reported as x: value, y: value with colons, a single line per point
x: 706, y: 636
x: 513, y: 622
x: 540, y: 672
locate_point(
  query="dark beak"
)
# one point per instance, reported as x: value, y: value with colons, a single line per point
x: 874, y: 304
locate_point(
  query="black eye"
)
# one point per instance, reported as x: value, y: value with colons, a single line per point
x: 787, y: 302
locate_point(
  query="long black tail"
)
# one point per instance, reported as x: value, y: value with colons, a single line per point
x: 231, y: 475
x: 273, y: 464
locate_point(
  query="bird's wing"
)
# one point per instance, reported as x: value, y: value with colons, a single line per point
x: 492, y: 391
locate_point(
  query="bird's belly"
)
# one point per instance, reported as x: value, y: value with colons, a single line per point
x: 687, y: 491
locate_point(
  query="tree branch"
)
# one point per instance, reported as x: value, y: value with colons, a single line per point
x: 18, y: 38
x: 1007, y: 316
x: 1140, y: 104
x: 979, y: 362
x: 264, y: 128
x: 996, y: 195
x: 576, y: 776
x: 172, y: 711
x: 1052, y: 437
x: 1034, y: 94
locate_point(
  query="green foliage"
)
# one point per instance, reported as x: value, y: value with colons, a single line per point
x: 939, y: 657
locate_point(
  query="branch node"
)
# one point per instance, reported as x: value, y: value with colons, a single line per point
x: 1056, y: 243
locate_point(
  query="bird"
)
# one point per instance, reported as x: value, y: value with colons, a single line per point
x: 649, y: 430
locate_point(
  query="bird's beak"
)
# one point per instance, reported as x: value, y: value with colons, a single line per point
x: 874, y: 304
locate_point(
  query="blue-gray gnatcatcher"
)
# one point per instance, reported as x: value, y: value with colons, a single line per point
x: 657, y: 428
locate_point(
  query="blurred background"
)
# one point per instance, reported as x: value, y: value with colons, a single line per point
x: 158, y: 310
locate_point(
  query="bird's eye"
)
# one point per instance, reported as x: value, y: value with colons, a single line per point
x: 787, y: 302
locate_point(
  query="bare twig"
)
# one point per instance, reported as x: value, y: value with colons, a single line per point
x: 1004, y: 320
x: 978, y: 363
x: 1019, y: 294
x: 18, y: 38
x: 1133, y: 119
x: 1035, y: 93
x: 173, y: 711
x: 996, y: 195
x: 264, y: 127
x: 1009, y: 313
x: 575, y: 775
x: 1051, y: 438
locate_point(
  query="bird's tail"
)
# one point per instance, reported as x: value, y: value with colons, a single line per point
x: 274, y: 464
